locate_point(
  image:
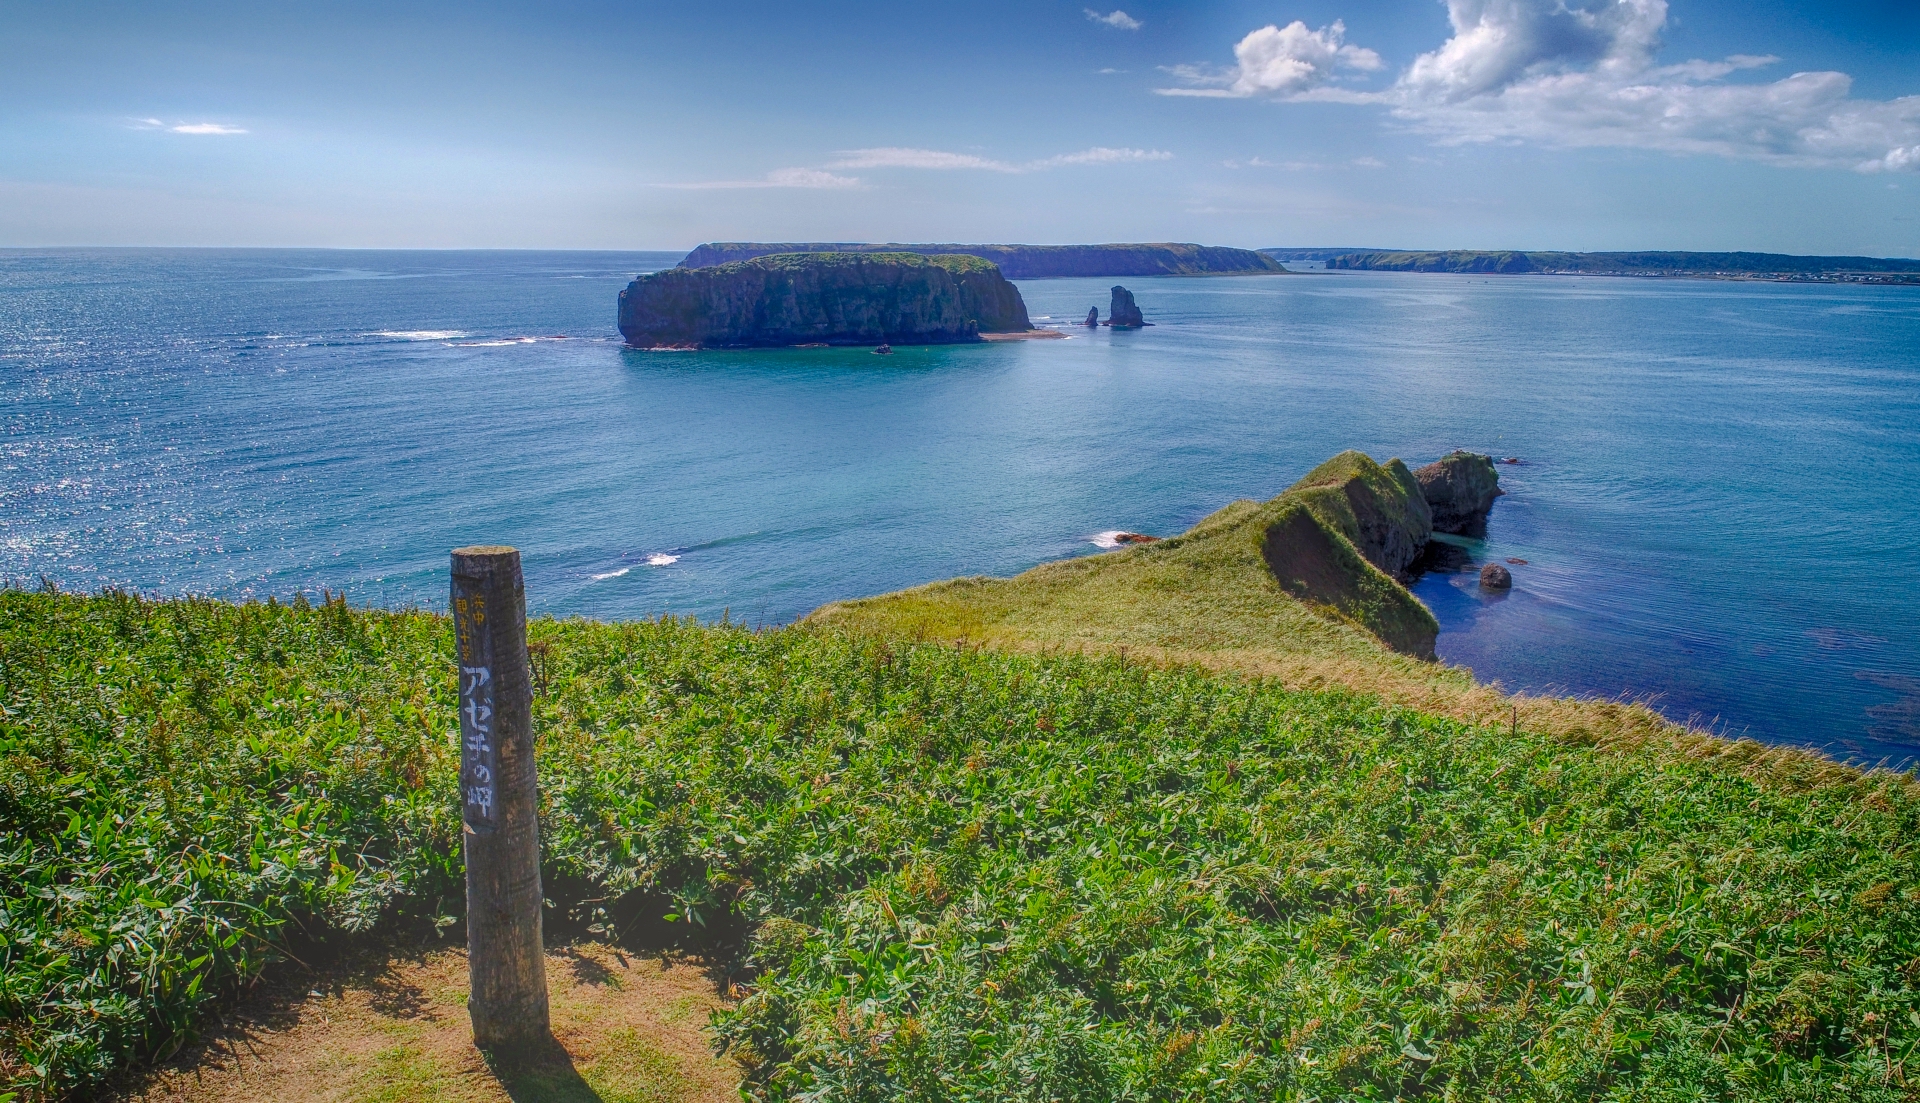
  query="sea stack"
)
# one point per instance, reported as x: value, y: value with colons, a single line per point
x: 1460, y: 489
x: 822, y: 298
x: 1093, y: 316
x: 1123, y: 314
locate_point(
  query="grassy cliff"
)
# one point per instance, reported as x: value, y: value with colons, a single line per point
x: 1193, y: 820
x: 821, y: 298
x: 950, y: 873
x: 1289, y: 578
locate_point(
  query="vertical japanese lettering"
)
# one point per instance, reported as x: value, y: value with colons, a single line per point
x: 477, y: 762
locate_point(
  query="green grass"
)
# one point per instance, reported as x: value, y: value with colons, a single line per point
x: 955, y: 873
x: 1211, y: 589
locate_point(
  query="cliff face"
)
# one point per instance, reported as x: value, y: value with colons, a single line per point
x: 830, y: 298
x: 1032, y: 262
x: 985, y: 294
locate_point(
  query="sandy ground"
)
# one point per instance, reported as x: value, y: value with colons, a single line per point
x: 393, y: 1028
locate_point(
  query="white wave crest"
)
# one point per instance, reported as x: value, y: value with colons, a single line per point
x: 661, y: 559
x: 1109, y: 539
x: 611, y: 574
x: 420, y: 334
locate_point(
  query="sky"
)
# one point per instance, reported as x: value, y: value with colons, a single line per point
x: 1773, y: 125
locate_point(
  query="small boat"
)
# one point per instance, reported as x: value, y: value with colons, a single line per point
x: 883, y: 350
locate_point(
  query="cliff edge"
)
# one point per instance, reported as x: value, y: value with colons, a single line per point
x: 822, y: 298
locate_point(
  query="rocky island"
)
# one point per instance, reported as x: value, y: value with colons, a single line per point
x: 822, y: 298
x: 1032, y: 262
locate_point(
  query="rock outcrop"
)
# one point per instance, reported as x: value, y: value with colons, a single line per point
x: 1459, y: 490
x: 822, y: 298
x: 1032, y: 262
x: 1093, y: 316
x: 1342, y: 538
x: 1123, y: 314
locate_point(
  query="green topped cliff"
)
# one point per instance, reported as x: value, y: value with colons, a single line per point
x: 1030, y: 262
x: 822, y: 298
x: 1312, y: 570
x: 1653, y: 263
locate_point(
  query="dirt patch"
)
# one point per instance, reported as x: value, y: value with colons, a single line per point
x: 393, y: 1028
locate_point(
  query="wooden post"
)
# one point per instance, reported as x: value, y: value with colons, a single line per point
x: 499, y: 801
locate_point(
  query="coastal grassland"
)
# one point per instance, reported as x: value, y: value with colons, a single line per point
x: 946, y: 872
x: 1211, y: 597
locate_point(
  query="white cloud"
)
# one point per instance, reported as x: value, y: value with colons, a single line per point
x: 1101, y: 155
x: 906, y: 158
x: 1574, y: 73
x: 780, y: 178
x: 186, y: 128
x: 1115, y: 18
x: 1290, y: 62
x: 897, y: 157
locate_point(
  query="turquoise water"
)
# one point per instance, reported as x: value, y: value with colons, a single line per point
x: 1717, y: 499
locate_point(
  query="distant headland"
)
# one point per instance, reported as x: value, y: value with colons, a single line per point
x: 844, y: 298
x: 1032, y: 262
x: 1740, y: 266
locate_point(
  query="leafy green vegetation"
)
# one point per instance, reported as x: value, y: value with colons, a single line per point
x: 953, y: 873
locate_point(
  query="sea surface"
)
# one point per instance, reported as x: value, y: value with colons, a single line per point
x: 1717, y: 499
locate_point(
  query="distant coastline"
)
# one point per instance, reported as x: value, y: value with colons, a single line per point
x: 1777, y: 267
x: 1032, y: 262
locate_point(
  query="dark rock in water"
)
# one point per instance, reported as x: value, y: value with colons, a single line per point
x: 1516, y: 561
x: 831, y: 298
x: 1123, y: 314
x: 1495, y: 577
x: 1093, y: 316
x: 1459, y: 490
x: 1440, y: 557
x: 1133, y: 538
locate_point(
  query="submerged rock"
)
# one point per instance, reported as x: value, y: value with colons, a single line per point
x: 1495, y: 577
x: 1123, y: 314
x: 816, y: 298
x: 1459, y: 490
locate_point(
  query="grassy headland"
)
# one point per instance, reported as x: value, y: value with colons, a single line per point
x: 1275, y: 860
x: 1776, y: 266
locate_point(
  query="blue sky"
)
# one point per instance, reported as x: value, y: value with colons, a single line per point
x: 1578, y: 124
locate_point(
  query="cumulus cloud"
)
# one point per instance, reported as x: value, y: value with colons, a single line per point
x: 1583, y: 73
x: 1290, y: 62
x: 899, y: 157
x: 1537, y: 70
x: 1116, y: 18
x: 780, y: 178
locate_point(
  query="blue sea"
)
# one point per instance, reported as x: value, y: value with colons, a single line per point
x: 1717, y: 501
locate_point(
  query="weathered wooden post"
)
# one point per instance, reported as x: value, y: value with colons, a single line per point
x: 499, y: 801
